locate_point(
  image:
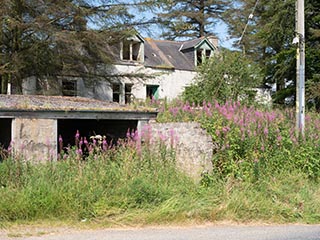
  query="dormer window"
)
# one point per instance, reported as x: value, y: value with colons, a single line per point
x: 132, y: 50
x: 202, y: 55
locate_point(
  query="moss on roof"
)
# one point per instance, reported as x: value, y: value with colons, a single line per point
x: 61, y: 103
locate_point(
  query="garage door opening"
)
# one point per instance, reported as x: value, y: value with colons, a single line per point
x: 5, y: 135
x: 113, y: 130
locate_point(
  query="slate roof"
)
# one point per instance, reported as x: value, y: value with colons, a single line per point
x: 191, y: 43
x: 166, y: 54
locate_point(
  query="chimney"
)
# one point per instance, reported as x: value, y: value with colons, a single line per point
x: 214, y: 40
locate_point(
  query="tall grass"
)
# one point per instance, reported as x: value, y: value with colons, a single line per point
x: 262, y: 172
x: 251, y: 141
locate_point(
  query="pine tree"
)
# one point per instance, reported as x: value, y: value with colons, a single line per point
x: 190, y: 19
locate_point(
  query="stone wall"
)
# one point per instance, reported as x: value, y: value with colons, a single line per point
x: 35, y: 139
x: 193, y: 146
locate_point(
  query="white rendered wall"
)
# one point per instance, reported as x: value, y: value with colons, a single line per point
x: 171, y: 82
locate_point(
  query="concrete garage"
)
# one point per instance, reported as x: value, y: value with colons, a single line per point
x: 33, y: 123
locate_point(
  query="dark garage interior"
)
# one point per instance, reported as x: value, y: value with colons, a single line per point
x: 112, y: 129
x: 5, y: 132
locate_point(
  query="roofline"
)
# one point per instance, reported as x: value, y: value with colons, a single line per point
x: 207, y: 40
x: 78, y: 114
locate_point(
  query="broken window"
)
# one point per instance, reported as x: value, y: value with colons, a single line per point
x: 69, y: 88
x: 128, y: 93
x: 208, y: 54
x: 126, y: 50
x: 116, y: 92
x: 152, y: 91
x: 136, y: 51
x: 199, y: 56
x: 131, y: 51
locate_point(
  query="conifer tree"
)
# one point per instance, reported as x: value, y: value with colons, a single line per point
x: 190, y: 19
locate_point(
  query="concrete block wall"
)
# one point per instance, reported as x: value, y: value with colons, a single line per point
x: 35, y: 139
x: 193, y: 146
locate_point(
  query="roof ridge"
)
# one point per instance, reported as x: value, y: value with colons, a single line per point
x: 163, y: 40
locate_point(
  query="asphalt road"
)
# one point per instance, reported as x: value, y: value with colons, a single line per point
x: 283, y: 232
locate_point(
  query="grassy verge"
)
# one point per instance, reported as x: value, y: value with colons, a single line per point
x: 262, y: 171
x: 116, y: 193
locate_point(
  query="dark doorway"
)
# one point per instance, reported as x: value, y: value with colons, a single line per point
x: 152, y: 91
x: 5, y: 132
x: 112, y: 129
x: 5, y: 135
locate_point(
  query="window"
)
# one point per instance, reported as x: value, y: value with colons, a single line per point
x: 202, y: 54
x: 69, y: 88
x: 131, y: 50
x: 126, y: 50
x: 118, y: 95
x: 208, y: 54
x: 199, y: 56
x: 128, y: 93
x: 152, y: 91
x: 116, y: 92
x: 136, y: 51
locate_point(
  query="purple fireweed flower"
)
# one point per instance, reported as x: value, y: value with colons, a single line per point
x: 136, y: 136
x: 162, y: 137
x: 79, y: 151
x: 173, y: 137
x: 174, y: 111
x: 225, y: 129
x: 85, y: 141
x: 262, y: 148
x: 128, y: 135
x: 77, y: 134
x: 217, y: 132
x: 265, y: 131
x: 279, y: 138
x: 104, y: 144
x: 60, y: 143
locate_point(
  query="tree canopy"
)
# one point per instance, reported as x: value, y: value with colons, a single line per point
x: 190, y: 19
x: 226, y: 76
x: 268, y: 40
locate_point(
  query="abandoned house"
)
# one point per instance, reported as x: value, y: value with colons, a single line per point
x: 146, y: 68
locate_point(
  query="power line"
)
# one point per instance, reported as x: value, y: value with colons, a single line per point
x: 249, y: 19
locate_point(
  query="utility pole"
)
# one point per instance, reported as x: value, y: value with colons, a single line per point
x: 300, y: 79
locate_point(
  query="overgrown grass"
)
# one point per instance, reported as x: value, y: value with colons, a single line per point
x: 262, y: 172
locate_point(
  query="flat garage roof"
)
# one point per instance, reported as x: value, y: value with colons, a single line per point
x: 58, y: 107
